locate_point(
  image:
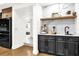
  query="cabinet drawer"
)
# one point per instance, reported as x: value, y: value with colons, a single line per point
x: 52, y: 37
x: 60, y: 38
x: 46, y: 37
x: 41, y: 45
x: 42, y: 37
x: 73, y: 39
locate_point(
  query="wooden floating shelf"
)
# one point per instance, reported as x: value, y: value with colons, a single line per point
x: 61, y: 17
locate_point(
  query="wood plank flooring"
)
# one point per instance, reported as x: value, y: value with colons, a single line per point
x: 22, y: 51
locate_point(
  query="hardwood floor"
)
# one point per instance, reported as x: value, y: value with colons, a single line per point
x: 22, y: 51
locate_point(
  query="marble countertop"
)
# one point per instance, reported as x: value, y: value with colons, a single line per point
x: 59, y: 35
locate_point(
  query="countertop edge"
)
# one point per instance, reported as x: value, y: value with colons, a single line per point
x: 59, y: 35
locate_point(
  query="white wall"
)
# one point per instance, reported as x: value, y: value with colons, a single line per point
x: 18, y: 31
x: 77, y: 19
x: 61, y: 8
x: 47, y: 11
x: 25, y: 14
x: 66, y: 7
x: 20, y: 17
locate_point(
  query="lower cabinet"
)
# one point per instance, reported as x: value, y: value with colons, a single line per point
x: 60, y: 45
x: 60, y: 48
x: 71, y: 46
x: 72, y: 49
x: 51, y: 45
x: 46, y: 44
x: 42, y: 44
x: 64, y: 46
x: 67, y: 49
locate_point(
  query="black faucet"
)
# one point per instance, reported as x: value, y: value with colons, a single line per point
x: 66, y: 31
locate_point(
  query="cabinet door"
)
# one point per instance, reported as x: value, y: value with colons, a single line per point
x: 72, y: 49
x: 42, y: 44
x: 51, y: 45
x: 71, y: 46
x: 60, y: 48
x: 60, y: 43
x: 7, y: 12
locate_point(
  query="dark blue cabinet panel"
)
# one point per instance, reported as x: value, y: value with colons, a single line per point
x: 59, y: 45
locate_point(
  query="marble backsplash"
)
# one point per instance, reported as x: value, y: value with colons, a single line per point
x: 60, y: 25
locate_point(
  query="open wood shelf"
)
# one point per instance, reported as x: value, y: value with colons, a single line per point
x: 61, y: 17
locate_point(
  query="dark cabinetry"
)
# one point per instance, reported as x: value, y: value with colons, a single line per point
x: 59, y: 45
x: 46, y: 44
x: 43, y: 44
x: 72, y: 49
x: 51, y: 45
x: 6, y: 32
x: 67, y: 46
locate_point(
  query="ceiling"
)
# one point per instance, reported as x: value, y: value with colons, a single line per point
x: 19, y: 5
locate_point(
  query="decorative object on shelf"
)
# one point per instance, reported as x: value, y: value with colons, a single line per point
x: 68, y: 12
x: 74, y: 14
x: 55, y: 14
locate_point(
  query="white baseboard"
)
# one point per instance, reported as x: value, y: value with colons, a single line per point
x: 17, y: 46
x: 26, y: 44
